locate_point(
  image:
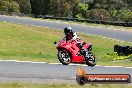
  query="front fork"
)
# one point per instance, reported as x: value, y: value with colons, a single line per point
x: 85, y: 54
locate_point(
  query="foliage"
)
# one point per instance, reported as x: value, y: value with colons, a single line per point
x: 121, y: 15
x: 119, y: 10
x: 4, y: 6
x: 115, y: 56
x: 109, y: 4
x: 22, y: 6
x: 61, y: 8
x: 98, y: 14
x: 126, y: 16
x: 9, y: 6
x: 15, y: 7
x: 80, y: 10
x: 39, y: 7
x: 25, y: 6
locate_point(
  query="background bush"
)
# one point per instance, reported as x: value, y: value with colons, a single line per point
x: 80, y: 10
x: 98, y: 14
x: 9, y: 6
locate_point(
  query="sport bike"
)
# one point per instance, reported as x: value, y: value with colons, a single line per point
x: 72, y: 52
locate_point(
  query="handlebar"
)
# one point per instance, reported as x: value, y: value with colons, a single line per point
x: 55, y: 42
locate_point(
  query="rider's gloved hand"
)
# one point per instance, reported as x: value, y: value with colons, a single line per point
x: 80, y: 45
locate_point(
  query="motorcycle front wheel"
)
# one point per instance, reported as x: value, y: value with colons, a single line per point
x: 91, y: 61
x: 64, y: 57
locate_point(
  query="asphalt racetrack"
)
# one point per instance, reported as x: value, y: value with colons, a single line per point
x: 57, y: 73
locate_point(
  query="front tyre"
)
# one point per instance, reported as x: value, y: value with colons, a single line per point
x: 64, y: 57
x: 91, y: 61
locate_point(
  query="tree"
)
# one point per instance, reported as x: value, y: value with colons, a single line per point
x: 98, y: 14
x: 128, y: 4
x: 116, y: 8
x: 80, y: 10
x: 40, y: 7
x: 25, y: 6
x: 59, y: 8
x: 62, y: 8
x: 109, y: 4
x: 14, y: 7
x: 5, y: 6
x: 9, y: 6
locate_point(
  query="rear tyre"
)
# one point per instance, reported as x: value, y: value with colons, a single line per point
x: 64, y: 57
x: 91, y: 61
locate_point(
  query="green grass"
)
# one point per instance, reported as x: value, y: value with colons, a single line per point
x: 31, y: 85
x: 21, y: 42
x: 27, y: 43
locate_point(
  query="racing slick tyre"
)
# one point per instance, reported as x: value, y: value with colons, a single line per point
x: 64, y: 57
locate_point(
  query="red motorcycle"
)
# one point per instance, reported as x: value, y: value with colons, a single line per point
x: 70, y: 52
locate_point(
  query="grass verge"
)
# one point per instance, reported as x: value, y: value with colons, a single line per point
x: 31, y: 85
x: 21, y: 42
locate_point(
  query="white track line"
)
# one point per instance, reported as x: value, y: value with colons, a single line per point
x: 55, y: 63
x: 9, y: 60
x: 128, y: 67
x: 38, y: 62
x: 21, y: 61
x: 73, y: 77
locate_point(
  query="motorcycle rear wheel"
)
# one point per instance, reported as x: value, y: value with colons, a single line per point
x: 64, y: 57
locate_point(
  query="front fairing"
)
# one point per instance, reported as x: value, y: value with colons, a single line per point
x: 62, y: 42
x: 87, y: 45
x: 70, y: 46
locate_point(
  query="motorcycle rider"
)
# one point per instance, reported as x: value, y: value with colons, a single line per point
x: 69, y: 35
